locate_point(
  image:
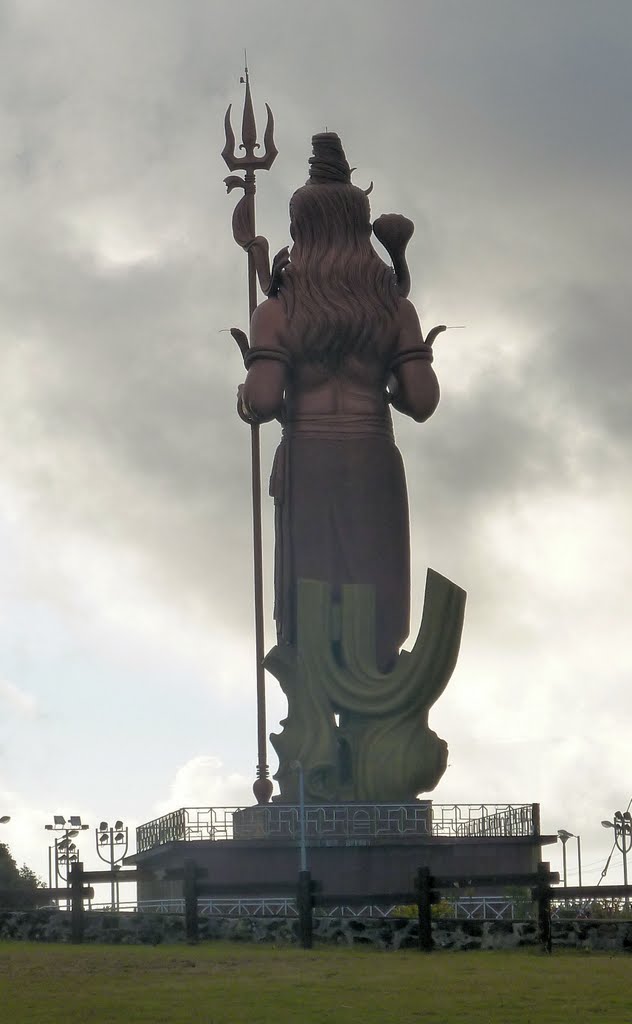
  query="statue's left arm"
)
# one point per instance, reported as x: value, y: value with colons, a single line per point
x: 417, y: 388
x: 267, y: 362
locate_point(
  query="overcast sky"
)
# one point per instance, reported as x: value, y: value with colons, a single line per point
x: 503, y: 129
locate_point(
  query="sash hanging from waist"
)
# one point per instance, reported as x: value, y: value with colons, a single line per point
x: 321, y: 428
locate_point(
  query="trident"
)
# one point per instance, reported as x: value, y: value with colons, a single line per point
x: 257, y: 250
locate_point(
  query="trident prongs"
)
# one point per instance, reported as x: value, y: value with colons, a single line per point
x: 249, y: 162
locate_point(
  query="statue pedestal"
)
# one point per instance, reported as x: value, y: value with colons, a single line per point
x: 356, y: 849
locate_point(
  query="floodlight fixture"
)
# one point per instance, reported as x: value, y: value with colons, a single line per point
x: 107, y: 839
x: 59, y: 820
x: 61, y: 843
x: 75, y: 820
x: 5, y: 819
x: 622, y: 826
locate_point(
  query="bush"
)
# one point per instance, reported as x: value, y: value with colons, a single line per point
x: 18, y: 886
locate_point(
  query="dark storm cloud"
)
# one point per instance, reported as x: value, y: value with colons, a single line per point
x: 502, y: 129
x: 590, y: 355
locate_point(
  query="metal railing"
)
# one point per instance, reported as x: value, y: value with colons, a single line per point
x: 489, y: 908
x: 485, y: 820
x: 464, y: 908
x: 339, y: 821
x: 264, y: 907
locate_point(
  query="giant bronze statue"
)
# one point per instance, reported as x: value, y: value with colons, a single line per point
x: 334, y: 346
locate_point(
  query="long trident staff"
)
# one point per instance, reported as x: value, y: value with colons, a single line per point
x: 256, y: 248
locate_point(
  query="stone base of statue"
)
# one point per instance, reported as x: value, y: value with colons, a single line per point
x: 357, y: 850
x: 359, y: 734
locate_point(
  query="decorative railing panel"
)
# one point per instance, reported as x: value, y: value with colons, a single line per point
x: 479, y: 820
x: 186, y: 825
x: 485, y: 908
x: 333, y: 821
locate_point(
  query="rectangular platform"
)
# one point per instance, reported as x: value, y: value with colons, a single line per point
x: 358, y: 849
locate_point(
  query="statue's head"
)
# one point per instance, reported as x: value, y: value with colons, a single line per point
x: 329, y: 211
x: 339, y: 296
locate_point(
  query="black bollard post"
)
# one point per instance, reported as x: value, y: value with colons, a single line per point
x: 423, y: 889
x: 76, y: 902
x: 305, y: 903
x: 190, y: 901
x: 543, y: 897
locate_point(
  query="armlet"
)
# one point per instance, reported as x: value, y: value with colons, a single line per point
x: 421, y: 352
x: 278, y: 354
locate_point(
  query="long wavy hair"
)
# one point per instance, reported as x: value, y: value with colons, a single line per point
x: 340, y: 298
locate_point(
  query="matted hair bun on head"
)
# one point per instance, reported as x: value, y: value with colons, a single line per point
x: 328, y: 165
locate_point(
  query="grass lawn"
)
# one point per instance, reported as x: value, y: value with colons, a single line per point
x: 218, y: 983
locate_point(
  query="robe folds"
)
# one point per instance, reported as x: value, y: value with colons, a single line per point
x: 341, y: 516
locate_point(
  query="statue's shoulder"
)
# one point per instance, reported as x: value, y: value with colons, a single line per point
x: 268, y: 326
x: 406, y: 310
x: 407, y: 317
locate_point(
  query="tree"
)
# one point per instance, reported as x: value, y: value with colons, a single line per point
x: 18, y: 886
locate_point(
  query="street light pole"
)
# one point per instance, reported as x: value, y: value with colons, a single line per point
x: 111, y: 840
x: 298, y: 767
x: 66, y: 853
x: 564, y: 835
x: 70, y: 828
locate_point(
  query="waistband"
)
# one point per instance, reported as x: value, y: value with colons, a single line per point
x: 339, y: 427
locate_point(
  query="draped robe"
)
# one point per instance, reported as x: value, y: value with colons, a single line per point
x: 341, y: 505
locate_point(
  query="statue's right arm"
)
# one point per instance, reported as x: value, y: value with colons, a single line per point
x: 268, y: 363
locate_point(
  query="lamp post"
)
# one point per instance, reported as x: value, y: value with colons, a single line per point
x: 622, y: 826
x: 564, y: 835
x: 112, y: 844
x: 62, y: 854
x: 298, y: 767
x: 67, y: 856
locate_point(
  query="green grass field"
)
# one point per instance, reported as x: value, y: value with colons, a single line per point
x: 227, y: 984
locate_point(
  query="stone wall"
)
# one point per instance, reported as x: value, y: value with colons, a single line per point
x: 383, y: 933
